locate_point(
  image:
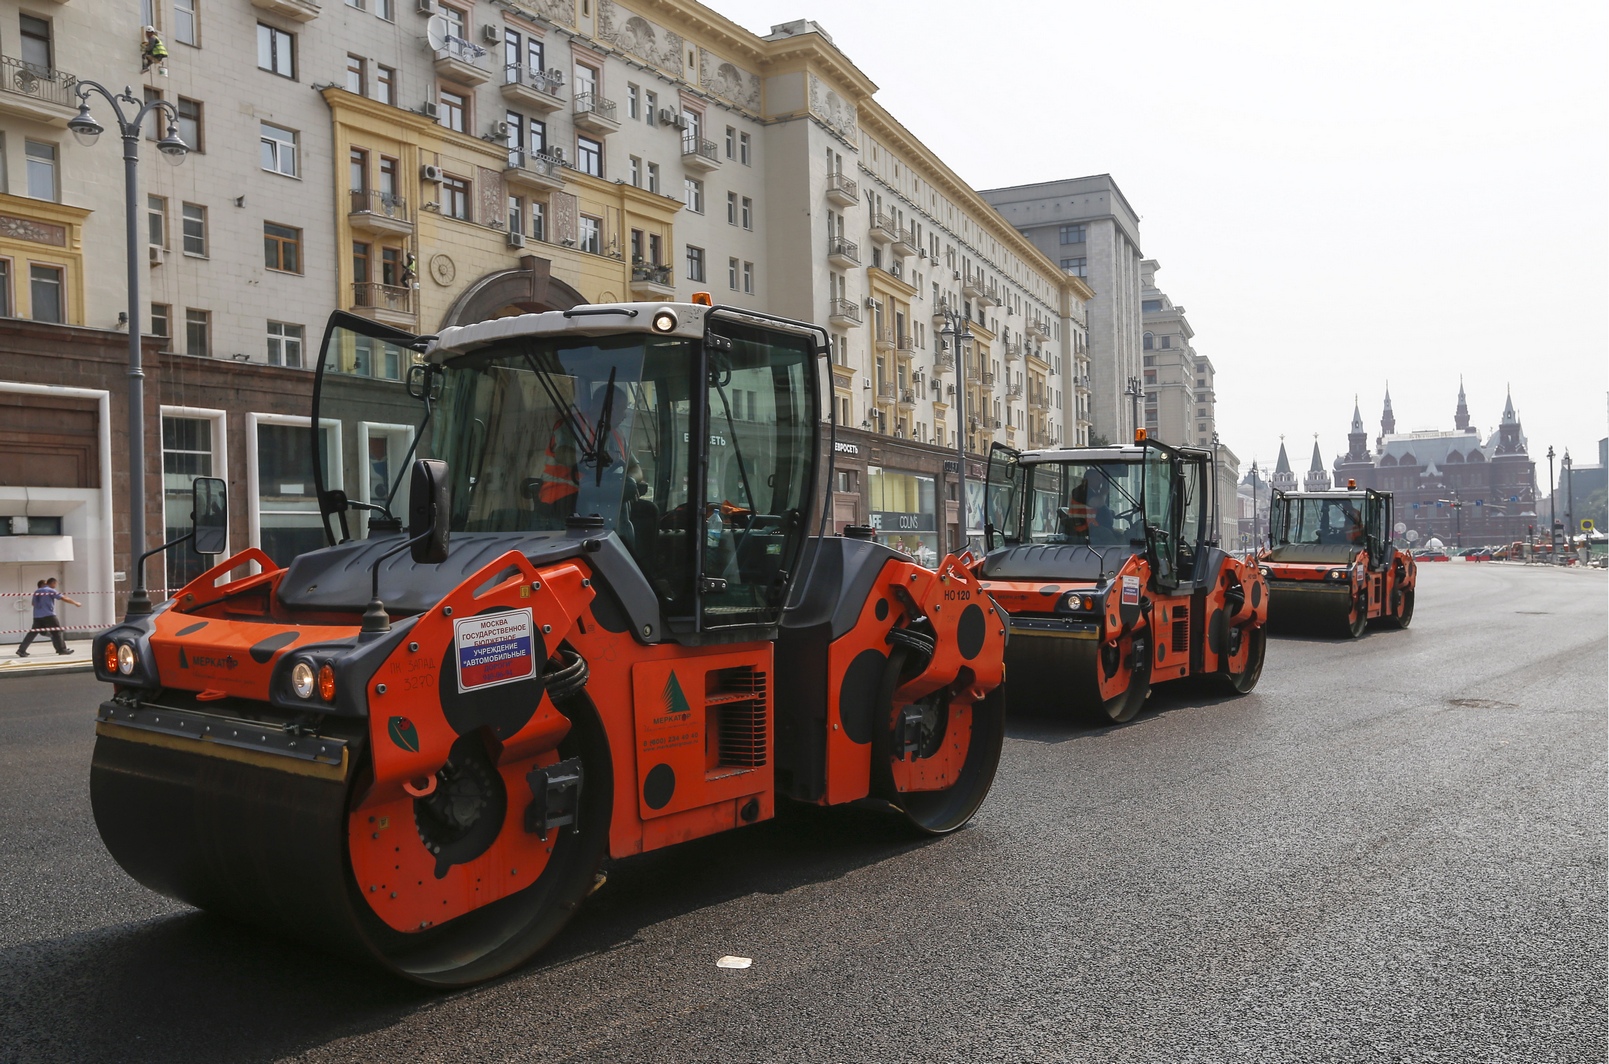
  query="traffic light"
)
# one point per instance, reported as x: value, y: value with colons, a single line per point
x: 1530, y: 530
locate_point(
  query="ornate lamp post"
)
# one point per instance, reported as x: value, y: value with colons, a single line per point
x: 1569, y: 495
x: 1553, y: 516
x: 1135, y: 391
x: 173, y: 148
x: 957, y: 331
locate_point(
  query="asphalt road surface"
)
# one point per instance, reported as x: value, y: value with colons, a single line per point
x: 1393, y: 849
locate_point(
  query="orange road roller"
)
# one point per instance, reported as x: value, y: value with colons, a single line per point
x: 547, y: 594
x: 1105, y: 560
x: 1331, y: 565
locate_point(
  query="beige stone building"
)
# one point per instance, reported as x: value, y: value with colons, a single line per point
x: 426, y: 162
x: 1180, y: 405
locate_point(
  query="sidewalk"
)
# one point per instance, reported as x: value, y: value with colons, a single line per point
x: 42, y: 658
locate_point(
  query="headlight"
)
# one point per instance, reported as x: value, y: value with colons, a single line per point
x: 125, y: 658
x: 1076, y: 600
x: 326, y: 683
x: 302, y: 680
x: 1338, y: 575
x: 665, y: 320
x: 1268, y: 574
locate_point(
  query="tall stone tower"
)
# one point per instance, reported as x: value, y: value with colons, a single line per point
x: 1283, y: 479
x: 1317, y: 479
x: 1461, y: 415
x: 1388, y: 422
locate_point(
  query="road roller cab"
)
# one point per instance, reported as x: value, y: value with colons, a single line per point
x: 606, y: 628
x: 1331, y: 566
x: 1104, y: 559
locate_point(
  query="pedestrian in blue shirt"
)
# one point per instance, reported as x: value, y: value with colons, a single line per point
x: 45, y: 620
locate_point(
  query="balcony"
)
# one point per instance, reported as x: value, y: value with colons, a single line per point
x: 843, y: 313
x: 940, y: 316
x: 885, y: 339
x: 943, y: 364
x: 1039, y: 400
x: 595, y: 114
x: 988, y: 379
x: 972, y: 286
x: 973, y: 374
x: 1038, y: 329
x: 295, y: 10
x: 35, y: 92
x: 841, y: 252
x: 903, y: 347
x: 1014, y: 390
x: 533, y: 172
x: 379, y: 212
x: 907, y: 400
x: 883, y: 229
x: 463, y: 62
x: 388, y: 304
x: 1013, y: 350
x: 885, y: 392
x: 540, y: 91
x: 842, y: 191
x: 991, y: 295
x: 991, y: 422
x: 905, y: 243
x: 699, y: 154
x: 652, y: 282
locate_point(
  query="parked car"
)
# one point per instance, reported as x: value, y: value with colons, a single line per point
x: 1429, y: 554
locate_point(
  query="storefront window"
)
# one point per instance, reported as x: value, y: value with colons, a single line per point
x: 904, y: 511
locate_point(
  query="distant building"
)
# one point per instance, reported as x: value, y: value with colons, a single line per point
x: 1449, y: 484
x: 1179, y: 403
x: 1317, y: 478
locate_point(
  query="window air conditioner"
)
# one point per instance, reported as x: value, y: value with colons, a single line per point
x: 427, y: 7
x: 156, y: 254
x: 516, y: 239
x: 895, y: 269
x: 499, y: 130
x: 428, y: 109
x: 866, y: 382
x: 871, y: 304
x: 491, y: 33
x: 431, y: 173
x: 667, y: 117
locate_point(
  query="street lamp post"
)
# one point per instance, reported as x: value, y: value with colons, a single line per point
x: 1569, y: 495
x: 1553, y: 514
x: 173, y: 148
x: 961, y: 338
x: 1135, y: 391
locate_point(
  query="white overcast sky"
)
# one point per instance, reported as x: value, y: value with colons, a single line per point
x: 1338, y: 194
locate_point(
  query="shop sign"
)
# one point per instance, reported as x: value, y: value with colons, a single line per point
x: 898, y: 521
x: 840, y: 447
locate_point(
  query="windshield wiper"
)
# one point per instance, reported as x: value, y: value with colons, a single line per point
x: 599, y: 454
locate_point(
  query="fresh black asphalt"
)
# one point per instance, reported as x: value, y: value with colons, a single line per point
x: 1394, y: 849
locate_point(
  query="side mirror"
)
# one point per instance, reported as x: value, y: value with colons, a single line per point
x: 210, y: 512
x: 430, y: 504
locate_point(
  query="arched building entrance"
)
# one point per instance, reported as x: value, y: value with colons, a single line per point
x: 530, y: 289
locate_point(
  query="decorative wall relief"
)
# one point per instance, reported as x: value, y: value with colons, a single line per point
x: 564, y: 218
x: 738, y: 87
x: 639, y: 37
x: 837, y: 113
x: 28, y: 229
x: 493, y: 200
x: 558, y: 12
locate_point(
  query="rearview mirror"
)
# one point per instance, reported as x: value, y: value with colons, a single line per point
x: 210, y: 512
x: 430, y: 506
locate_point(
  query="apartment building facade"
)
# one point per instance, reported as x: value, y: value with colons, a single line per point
x: 1180, y: 405
x: 1087, y: 227
x: 425, y: 163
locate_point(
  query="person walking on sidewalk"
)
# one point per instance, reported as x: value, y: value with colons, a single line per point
x: 45, y: 619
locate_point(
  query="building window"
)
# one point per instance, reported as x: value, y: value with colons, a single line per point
x: 539, y: 220
x: 1072, y: 234
x: 591, y: 234
x: 731, y: 274
x: 282, y: 248
x: 278, y: 149
x: 156, y: 221
x: 450, y: 110
x: 748, y: 278
x: 1167, y: 342
x: 650, y: 101
x: 385, y: 84
x: 731, y: 208
x: 285, y: 492
x: 189, y: 123
x: 1076, y: 267
x: 198, y: 332
x: 162, y: 324
x: 44, y: 293
x: 358, y: 170
x: 186, y: 26
x: 357, y: 75
x: 194, y: 225
x: 745, y: 151
x: 285, y: 344
x: 653, y: 177
x: 41, y: 170
x: 1147, y: 342
x: 633, y: 101
x: 695, y: 263
x: 186, y: 454
x: 455, y: 198
x: 731, y: 142
x: 694, y: 195
x: 634, y: 165
x: 5, y: 288
x: 589, y: 156
x: 276, y: 51
x: 746, y: 214
x: 35, y: 34
x: 386, y: 9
